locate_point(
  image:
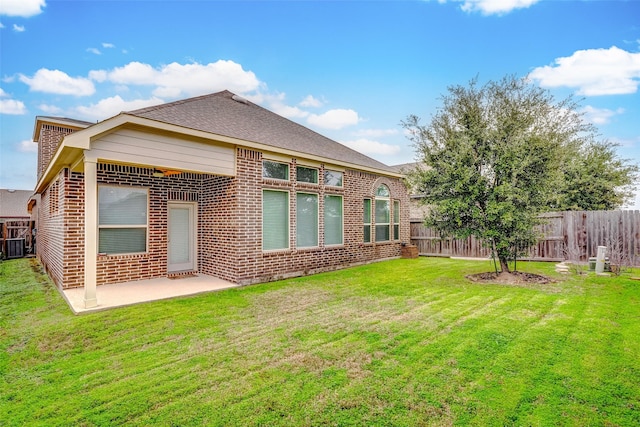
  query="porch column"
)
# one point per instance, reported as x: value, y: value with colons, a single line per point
x: 90, y: 232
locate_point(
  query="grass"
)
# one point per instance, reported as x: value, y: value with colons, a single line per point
x: 403, y: 342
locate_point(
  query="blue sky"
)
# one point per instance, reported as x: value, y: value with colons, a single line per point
x: 351, y: 70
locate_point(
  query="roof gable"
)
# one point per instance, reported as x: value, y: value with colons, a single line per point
x: 227, y: 114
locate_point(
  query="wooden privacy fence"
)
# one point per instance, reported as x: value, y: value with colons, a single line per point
x: 573, y: 235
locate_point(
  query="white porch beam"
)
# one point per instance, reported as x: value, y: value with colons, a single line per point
x: 90, y: 232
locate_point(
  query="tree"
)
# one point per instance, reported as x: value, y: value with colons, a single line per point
x: 595, y: 178
x: 493, y: 160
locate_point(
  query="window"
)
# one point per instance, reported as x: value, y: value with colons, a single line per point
x: 332, y: 220
x: 275, y: 220
x: 275, y: 170
x: 383, y: 216
x: 306, y: 220
x: 304, y: 174
x: 396, y: 220
x: 122, y: 219
x: 366, y: 219
x: 333, y: 178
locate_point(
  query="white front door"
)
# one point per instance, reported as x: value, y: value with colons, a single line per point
x: 182, y: 237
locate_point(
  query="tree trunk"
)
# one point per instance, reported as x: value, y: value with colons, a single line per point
x: 504, y: 265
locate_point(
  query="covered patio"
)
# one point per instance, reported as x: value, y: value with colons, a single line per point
x: 129, y: 293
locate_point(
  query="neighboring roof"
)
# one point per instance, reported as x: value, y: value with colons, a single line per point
x: 405, y: 168
x: 227, y: 114
x: 13, y: 203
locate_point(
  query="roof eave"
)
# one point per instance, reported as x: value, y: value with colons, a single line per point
x: 72, y: 147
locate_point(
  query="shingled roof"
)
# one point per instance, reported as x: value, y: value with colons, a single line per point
x: 224, y: 113
x: 13, y: 203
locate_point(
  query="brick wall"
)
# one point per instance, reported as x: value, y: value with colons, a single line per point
x: 50, y: 233
x: 258, y: 266
x: 50, y: 138
x: 162, y: 190
x: 218, y: 234
x: 229, y: 224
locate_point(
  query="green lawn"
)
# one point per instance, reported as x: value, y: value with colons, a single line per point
x: 403, y: 342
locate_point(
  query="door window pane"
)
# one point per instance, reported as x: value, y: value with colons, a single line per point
x: 179, y: 233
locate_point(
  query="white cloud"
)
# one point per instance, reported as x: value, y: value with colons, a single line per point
x: 593, y: 72
x: 626, y: 142
x: 3, y: 93
x: 367, y: 146
x: 13, y: 107
x: 310, y: 101
x: 27, y: 146
x: 49, y: 109
x: 1, y: 25
x: 114, y: 105
x: 492, y: 7
x: 135, y: 73
x: 58, y: 82
x: 276, y: 103
x: 376, y: 133
x: 94, y: 51
x: 288, y: 111
x: 334, y: 119
x: 174, y: 80
x: 600, y: 116
x: 18, y: 28
x: 98, y: 75
x: 22, y: 8
x: 108, y: 45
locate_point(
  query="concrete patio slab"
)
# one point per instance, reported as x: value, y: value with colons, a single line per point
x: 129, y: 293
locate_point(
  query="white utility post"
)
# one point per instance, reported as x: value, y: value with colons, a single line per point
x: 602, y: 250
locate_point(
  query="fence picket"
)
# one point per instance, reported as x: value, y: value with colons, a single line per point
x: 564, y: 235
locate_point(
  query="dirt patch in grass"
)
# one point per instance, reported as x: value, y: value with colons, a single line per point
x: 515, y: 278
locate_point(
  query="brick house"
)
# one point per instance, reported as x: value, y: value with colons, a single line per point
x: 213, y: 185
